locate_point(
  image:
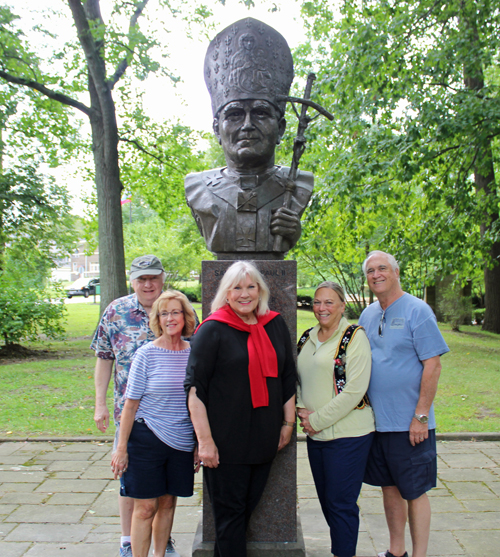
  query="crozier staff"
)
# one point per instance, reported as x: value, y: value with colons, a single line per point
x: 241, y: 382
x: 334, y: 366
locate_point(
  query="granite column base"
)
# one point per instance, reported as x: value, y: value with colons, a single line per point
x: 274, y: 529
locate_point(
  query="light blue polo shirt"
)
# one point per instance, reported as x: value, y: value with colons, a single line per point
x: 410, y: 335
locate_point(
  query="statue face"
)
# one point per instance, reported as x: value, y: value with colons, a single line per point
x: 249, y: 131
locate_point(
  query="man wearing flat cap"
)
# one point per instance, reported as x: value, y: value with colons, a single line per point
x: 123, y: 329
x: 239, y: 208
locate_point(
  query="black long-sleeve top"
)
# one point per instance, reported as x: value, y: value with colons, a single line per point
x: 218, y: 368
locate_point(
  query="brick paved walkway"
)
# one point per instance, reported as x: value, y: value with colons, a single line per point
x: 57, y: 499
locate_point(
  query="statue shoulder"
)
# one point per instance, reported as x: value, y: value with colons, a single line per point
x: 197, y: 185
x: 206, y: 177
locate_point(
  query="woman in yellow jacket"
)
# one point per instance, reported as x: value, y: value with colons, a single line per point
x: 334, y: 366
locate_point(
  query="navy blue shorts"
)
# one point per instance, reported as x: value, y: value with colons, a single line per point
x: 155, y: 469
x: 393, y: 461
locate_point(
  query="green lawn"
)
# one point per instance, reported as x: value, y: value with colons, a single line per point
x: 54, y: 394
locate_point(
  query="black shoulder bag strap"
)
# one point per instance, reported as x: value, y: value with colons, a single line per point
x: 339, y: 363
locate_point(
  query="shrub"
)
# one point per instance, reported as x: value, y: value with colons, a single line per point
x: 27, y: 312
x: 193, y: 293
x: 455, y: 307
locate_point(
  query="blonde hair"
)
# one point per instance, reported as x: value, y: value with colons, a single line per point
x: 189, y: 317
x: 233, y: 276
x: 333, y: 286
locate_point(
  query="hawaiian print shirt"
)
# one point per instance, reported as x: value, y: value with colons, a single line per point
x: 124, y: 327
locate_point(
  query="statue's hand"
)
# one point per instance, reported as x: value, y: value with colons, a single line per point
x: 286, y: 223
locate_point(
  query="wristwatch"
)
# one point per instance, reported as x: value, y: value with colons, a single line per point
x: 422, y: 418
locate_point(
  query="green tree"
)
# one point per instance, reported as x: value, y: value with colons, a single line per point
x: 35, y: 225
x: 410, y: 159
x: 94, y: 66
x: 28, y: 311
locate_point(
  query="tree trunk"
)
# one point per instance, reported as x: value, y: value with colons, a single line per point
x: 105, y: 149
x: 491, y: 321
x: 484, y: 179
x: 109, y: 188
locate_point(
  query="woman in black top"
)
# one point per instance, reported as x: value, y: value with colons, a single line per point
x: 241, y: 381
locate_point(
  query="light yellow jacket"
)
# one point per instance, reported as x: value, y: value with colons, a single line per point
x: 335, y: 416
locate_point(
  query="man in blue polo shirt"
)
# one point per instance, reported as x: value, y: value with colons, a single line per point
x: 406, y: 347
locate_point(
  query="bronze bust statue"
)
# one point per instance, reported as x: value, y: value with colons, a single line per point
x: 239, y: 209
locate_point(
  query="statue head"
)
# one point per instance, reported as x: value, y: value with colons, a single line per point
x: 248, y: 72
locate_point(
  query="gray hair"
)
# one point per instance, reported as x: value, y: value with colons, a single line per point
x: 233, y: 276
x: 333, y: 286
x: 392, y: 260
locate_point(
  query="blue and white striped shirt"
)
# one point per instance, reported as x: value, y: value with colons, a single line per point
x: 157, y: 380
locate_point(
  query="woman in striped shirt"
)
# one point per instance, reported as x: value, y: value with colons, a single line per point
x: 156, y: 450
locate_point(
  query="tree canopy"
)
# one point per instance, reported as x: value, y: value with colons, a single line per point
x: 409, y: 166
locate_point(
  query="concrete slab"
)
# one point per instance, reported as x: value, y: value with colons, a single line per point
x: 465, y: 522
x: 72, y: 486
x: 13, y: 549
x: 55, y: 514
x: 73, y: 550
x: 52, y: 533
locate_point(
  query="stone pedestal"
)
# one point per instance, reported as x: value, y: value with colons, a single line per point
x: 274, y: 529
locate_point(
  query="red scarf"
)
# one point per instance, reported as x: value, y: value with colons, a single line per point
x: 262, y: 359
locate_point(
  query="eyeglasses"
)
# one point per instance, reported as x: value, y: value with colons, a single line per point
x: 174, y: 313
x: 381, y: 325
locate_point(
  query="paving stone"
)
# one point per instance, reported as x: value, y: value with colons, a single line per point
x: 106, y: 504
x: 24, y: 498
x: 5, y: 528
x: 47, y: 514
x: 465, y: 475
x: 91, y: 518
x: 72, y: 499
x: 7, y: 509
x: 443, y: 543
x: 72, y: 550
x: 57, y: 456
x: 494, y: 486
x: 307, y: 492
x: 8, y: 487
x: 65, y: 475
x: 465, y: 521
x: 10, y: 476
x: 483, y: 506
x: 14, y: 460
x: 470, y: 490
x: 83, y: 448
x: 97, y: 472
x: 371, y: 505
x: 446, y: 505
x: 76, y: 486
x: 9, y: 448
x: 473, y: 460
x: 186, y: 519
x: 478, y: 544
x: 13, y: 549
x: 52, y: 533
x: 68, y: 466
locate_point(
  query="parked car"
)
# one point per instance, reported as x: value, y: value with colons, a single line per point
x: 83, y: 287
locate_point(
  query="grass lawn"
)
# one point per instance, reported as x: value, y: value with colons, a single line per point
x: 53, y: 394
